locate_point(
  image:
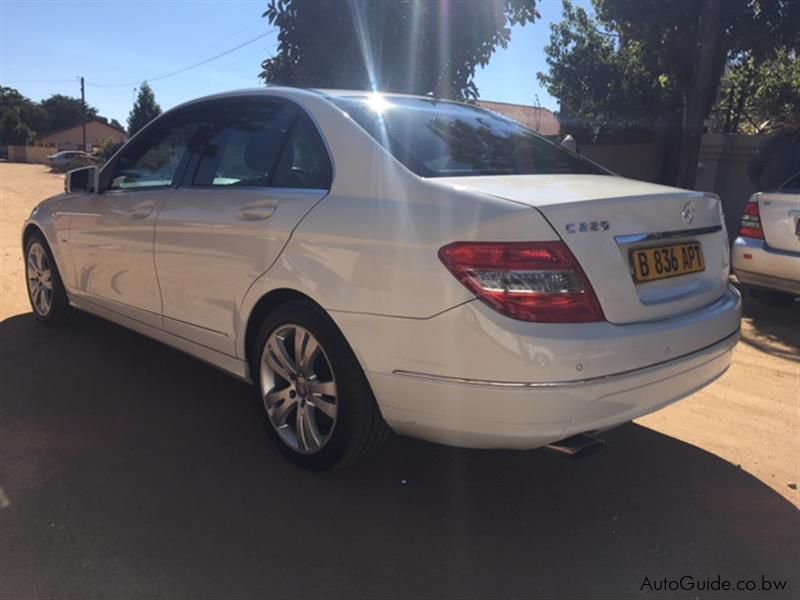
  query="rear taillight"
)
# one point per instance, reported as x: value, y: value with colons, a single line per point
x: 529, y: 281
x: 751, y: 221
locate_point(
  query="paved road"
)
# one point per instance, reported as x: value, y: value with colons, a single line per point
x: 128, y: 469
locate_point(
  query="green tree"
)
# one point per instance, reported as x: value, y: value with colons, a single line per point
x: 649, y: 51
x: 412, y: 46
x: 109, y: 148
x: 20, y: 118
x: 65, y: 111
x: 600, y: 82
x: 755, y: 95
x: 144, y: 110
x: 115, y: 123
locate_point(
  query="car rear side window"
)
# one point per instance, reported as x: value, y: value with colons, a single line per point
x: 304, y: 162
x: 153, y: 159
x: 445, y: 139
x: 242, y: 139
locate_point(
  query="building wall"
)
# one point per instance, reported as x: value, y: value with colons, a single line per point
x: 72, y: 139
x: 29, y: 154
x: 637, y: 161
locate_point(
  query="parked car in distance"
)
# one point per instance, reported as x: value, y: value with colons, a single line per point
x: 766, y: 255
x: 384, y: 262
x: 69, y: 159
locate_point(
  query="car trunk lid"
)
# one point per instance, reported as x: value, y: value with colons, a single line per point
x: 780, y: 214
x: 604, y: 218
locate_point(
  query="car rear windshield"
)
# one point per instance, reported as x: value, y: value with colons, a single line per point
x: 445, y: 139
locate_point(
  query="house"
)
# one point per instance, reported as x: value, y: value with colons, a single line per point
x: 71, y: 138
x: 533, y: 117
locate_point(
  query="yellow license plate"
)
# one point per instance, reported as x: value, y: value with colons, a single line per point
x: 661, y: 262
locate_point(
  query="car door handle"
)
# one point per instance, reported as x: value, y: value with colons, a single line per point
x: 257, y: 211
x: 138, y: 211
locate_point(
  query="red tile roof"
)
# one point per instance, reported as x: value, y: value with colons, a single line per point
x: 537, y: 118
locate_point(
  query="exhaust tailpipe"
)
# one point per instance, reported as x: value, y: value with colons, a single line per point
x: 580, y: 445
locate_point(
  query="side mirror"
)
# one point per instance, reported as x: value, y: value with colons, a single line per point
x: 81, y: 181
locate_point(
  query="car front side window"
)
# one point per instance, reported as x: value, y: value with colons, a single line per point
x: 153, y: 160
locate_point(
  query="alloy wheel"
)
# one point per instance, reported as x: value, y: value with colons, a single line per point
x: 40, y: 279
x: 299, y: 389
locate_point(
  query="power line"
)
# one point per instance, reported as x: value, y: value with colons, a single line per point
x: 183, y: 70
x: 18, y: 81
x: 246, y: 56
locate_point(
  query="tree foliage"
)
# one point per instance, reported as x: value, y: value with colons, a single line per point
x: 755, y: 95
x: 65, y: 111
x: 109, y: 148
x: 600, y: 80
x: 633, y: 60
x: 20, y: 118
x: 411, y: 46
x: 144, y: 110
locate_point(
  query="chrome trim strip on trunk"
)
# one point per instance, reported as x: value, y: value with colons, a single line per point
x: 554, y: 384
x: 665, y: 235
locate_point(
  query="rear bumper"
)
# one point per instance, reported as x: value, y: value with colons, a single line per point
x: 758, y: 265
x: 523, y: 416
x: 472, y: 377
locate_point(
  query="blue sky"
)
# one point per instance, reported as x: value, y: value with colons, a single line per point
x: 46, y: 45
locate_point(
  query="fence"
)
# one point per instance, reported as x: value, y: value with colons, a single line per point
x: 724, y: 158
x: 637, y: 161
x: 722, y: 168
x: 29, y: 154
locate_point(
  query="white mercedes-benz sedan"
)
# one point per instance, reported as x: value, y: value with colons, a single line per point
x: 766, y: 255
x: 383, y: 262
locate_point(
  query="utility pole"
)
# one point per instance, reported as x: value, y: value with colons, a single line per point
x: 701, y: 88
x: 83, y: 121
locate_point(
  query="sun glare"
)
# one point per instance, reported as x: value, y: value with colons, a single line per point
x: 377, y: 103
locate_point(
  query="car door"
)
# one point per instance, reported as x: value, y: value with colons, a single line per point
x: 111, y: 232
x: 260, y: 168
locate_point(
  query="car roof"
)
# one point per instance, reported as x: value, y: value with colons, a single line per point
x: 289, y: 91
x: 338, y: 93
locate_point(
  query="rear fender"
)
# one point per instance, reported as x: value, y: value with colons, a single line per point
x: 370, y: 256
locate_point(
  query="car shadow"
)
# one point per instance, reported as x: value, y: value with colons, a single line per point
x: 776, y: 329
x: 128, y: 469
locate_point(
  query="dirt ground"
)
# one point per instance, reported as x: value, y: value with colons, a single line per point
x: 689, y: 471
x: 21, y: 188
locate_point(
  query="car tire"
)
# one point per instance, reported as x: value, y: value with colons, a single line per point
x: 45, y: 287
x: 319, y: 409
